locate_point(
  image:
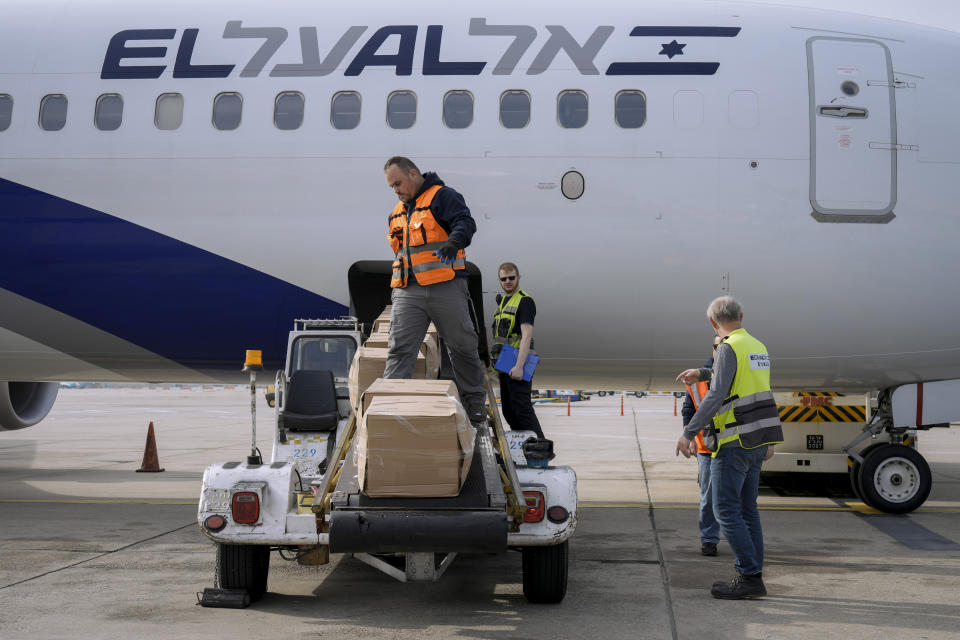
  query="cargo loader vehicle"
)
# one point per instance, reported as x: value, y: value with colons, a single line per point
x: 307, y: 501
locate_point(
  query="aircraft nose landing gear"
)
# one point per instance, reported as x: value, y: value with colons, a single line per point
x: 895, y: 478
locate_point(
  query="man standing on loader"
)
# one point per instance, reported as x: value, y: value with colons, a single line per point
x: 429, y: 229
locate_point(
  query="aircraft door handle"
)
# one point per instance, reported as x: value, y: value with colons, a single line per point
x: 841, y: 111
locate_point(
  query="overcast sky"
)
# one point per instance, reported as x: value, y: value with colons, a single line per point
x: 944, y: 14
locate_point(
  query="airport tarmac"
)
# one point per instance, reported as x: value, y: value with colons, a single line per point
x: 91, y: 549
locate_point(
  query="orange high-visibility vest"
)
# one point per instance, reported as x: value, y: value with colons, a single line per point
x: 414, y: 239
x: 696, y: 394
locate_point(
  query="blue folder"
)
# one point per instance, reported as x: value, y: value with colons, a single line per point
x: 508, y: 359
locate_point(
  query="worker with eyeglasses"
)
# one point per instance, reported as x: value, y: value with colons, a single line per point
x: 513, y: 325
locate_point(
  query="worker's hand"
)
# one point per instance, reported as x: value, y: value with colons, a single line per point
x: 447, y: 252
x: 769, y: 453
x: 517, y: 372
x: 690, y: 376
x: 686, y: 447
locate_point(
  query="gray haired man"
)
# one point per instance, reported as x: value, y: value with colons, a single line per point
x: 741, y: 409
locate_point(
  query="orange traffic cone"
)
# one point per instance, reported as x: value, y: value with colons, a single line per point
x: 150, y: 460
x: 674, y: 405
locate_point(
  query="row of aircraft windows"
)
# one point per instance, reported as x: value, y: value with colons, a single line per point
x: 630, y: 110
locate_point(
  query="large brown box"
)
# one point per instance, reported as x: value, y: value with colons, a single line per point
x: 414, y: 446
x: 384, y: 387
x: 368, y: 365
x: 428, y: 348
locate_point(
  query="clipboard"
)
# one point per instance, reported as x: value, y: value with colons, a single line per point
x: 508, y: 359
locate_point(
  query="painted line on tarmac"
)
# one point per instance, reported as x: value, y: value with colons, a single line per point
x: 661, y: 560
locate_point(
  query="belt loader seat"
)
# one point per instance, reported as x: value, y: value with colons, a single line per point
x: 310, y: 402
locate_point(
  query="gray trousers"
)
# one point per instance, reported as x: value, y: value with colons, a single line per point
x: 446, y: 305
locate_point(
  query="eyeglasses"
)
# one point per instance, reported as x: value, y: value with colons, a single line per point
x: 508, y: 278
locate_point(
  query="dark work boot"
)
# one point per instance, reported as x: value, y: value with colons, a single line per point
x: 708, y: 548
x: 740, y: 588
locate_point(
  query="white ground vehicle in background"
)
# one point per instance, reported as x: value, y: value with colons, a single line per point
x: 305, y: 501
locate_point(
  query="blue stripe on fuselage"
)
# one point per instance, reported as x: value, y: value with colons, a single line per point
x: 169, y: 297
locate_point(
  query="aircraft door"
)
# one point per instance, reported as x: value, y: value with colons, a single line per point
x: 853, y: 132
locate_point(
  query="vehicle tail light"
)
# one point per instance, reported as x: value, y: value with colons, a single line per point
x: 246, y: 507
x: 536, y: 504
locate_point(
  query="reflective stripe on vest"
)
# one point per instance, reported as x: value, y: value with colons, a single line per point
x: 697, y: 393
x: 750, y: 414
x: 414, y: 238
x: 505, y: 330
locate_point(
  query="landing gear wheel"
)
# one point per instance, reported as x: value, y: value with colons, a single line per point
x: 601, y: 393
x: 545, y: 573
x: 244, y: 566
x: 895, y: 479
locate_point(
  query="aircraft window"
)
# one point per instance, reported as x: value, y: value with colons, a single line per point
x: 458, y: 109
x: 515, y: 109
x: 345, y: 110
x: 401, y: 109
x: 227, y: 108
x: 630, y: 109
x: 572, y: 109
x: 169, y: 112
x: 6, y: 111
x: 53, y: 112
x: 288, y: 110
x: 108, y: 113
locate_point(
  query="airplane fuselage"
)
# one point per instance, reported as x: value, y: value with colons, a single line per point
x: 803, y: 161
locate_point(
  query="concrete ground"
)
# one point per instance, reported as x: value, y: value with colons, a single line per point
x: 91, y: 549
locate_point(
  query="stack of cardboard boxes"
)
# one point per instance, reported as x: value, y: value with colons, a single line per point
x: 414, y: 438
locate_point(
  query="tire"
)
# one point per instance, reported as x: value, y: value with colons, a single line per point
x: 855, y: 480
x: 855, y: 484
x: 244, y: 566
x: 895, y: 479
x: 601, y: 393
x: 545, y: 573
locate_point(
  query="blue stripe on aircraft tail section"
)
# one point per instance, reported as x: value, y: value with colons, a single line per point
x: 169, y: 297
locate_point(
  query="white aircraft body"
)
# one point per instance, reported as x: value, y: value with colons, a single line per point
x: 180, y: 180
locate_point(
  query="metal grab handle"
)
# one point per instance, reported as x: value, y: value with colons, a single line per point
x: 840, y: 111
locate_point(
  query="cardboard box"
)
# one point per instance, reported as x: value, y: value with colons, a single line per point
x: 428, y: 348
x: 368, y: 365
x: 385, y: 387
x: 414, y: 446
